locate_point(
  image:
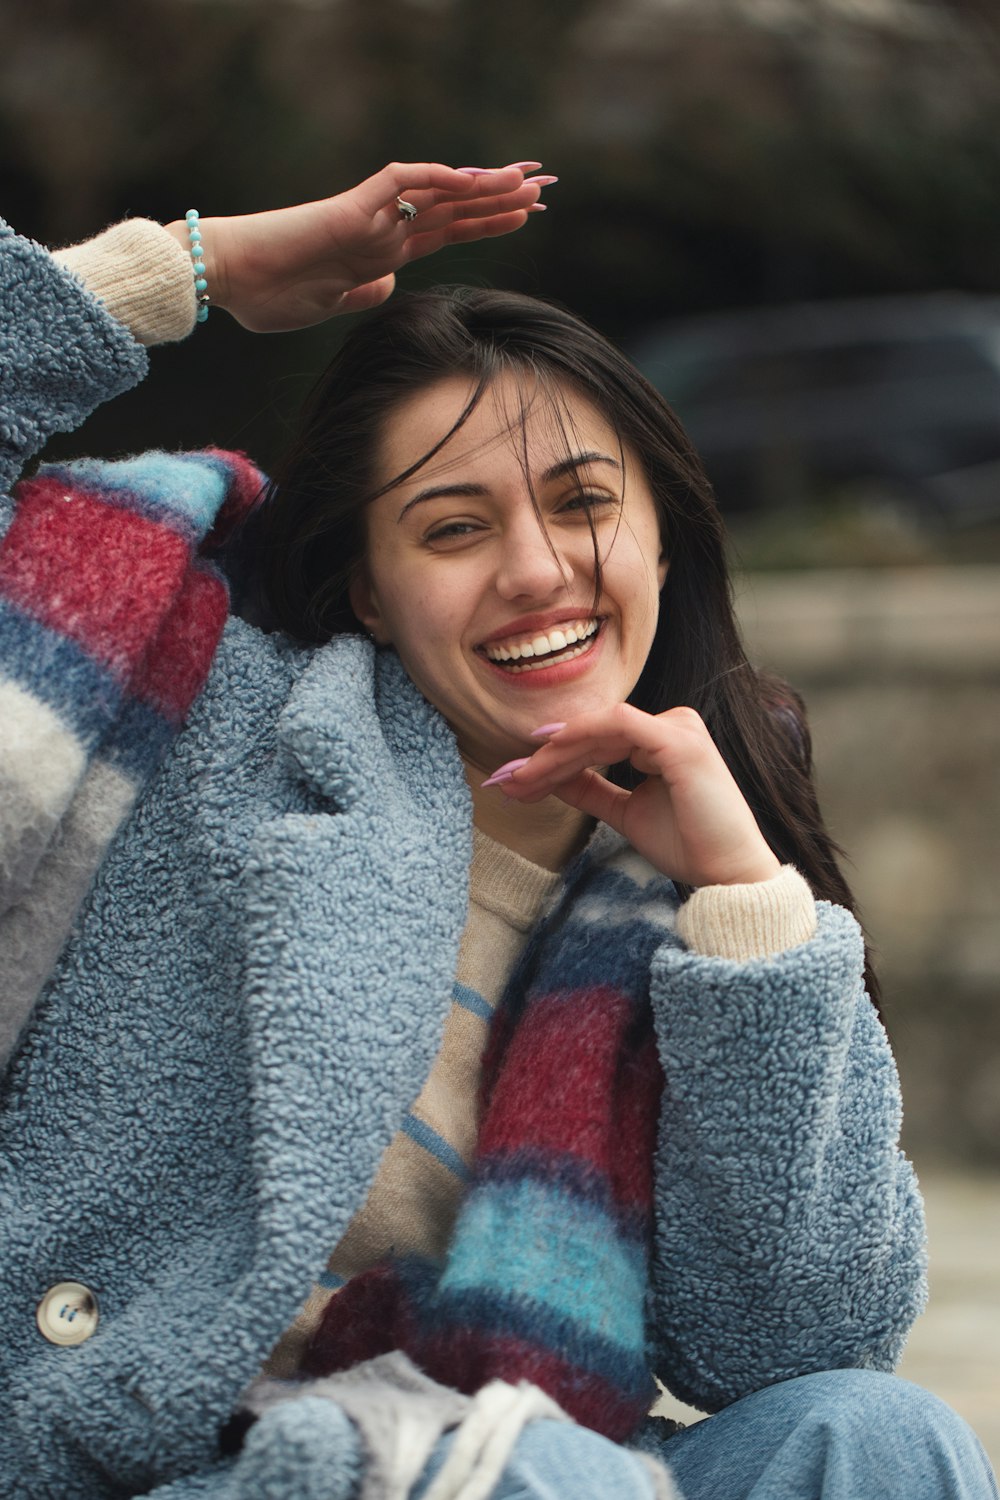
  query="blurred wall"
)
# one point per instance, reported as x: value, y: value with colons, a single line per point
x: 901, y: 672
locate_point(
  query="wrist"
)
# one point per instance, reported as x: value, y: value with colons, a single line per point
x: 764, y: 867
x: 209, y: 252
x: 178, y: 228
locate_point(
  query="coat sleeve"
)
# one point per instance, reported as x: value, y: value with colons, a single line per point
x: 108, y: 618
x: 61, y: 355
x: 789, y: 1228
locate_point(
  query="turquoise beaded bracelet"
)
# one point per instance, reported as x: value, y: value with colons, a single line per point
x: 197, y: 251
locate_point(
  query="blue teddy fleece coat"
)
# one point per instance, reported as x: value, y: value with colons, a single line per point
x: 251, y: 998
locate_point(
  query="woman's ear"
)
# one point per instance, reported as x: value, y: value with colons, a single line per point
x: 365, y: 604
x: 661, y: 569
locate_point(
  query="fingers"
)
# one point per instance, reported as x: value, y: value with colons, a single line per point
x: 464, y: 232
x: 451, y: 223
x: 673, y: 749
x: 487, y: 195
x: 688, y: 816
x: 525, y: 195
x: 592, y: 793
x: 421, y: 183
x: 661, y: 744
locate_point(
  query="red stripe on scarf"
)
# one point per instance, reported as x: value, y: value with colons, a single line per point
x: 367, y: 1317
x: 59, y: 554
x: 558, y: 1079
x: 174, y: 672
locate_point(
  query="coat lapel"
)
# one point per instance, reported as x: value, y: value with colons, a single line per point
x: 355, y: 909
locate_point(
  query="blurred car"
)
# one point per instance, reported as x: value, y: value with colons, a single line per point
x: 786, y: 403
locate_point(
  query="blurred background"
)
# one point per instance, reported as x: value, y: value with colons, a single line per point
x: 788, y: 211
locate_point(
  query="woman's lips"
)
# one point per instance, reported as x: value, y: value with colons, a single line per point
x: 553, y: 668
x: 523, y: 646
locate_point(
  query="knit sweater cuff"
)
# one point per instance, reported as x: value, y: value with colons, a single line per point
x: 749, y: 921
x: 142, y: 276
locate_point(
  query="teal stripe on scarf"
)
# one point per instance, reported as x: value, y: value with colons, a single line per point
x: 562, y: 1252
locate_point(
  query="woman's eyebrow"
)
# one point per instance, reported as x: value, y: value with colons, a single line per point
x: 578, y: 461
x: 467, y: 491
x: 435, y: 491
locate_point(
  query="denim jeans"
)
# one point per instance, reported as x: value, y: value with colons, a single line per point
x: 842, y: 1435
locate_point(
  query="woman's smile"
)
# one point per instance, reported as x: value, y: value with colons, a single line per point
x: 541, y: 660
x: 480, y: 568
x: 553, y: 637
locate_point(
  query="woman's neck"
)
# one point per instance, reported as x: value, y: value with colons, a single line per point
x: 548, y: 833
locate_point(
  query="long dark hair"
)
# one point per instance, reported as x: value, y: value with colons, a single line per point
x: 308, y: 537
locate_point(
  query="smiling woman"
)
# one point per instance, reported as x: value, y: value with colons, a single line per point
x: 424, y: 1031
x: 466, y: 579
x: 475, y: 467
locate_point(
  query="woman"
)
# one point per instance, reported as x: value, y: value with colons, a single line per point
x: 267, y: 934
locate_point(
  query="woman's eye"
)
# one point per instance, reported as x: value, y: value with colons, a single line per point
x: 589, y: 500
x: 451, y: 531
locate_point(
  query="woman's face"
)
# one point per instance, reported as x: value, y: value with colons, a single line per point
x: 490, y: 607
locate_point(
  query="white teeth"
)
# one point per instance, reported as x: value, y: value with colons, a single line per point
x: 544, y: 645
x: 537, y: 666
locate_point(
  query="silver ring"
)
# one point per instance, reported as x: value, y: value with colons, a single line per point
x: 406, y: 210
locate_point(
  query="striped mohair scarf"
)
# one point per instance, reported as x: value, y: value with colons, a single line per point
x: 547, y: 1273
x: 109, y: 620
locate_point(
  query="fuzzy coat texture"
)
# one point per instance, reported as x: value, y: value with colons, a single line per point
x: 252, y: 994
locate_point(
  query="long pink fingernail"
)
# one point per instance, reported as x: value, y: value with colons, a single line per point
x: 544, y: 729
x: 477, y: 171
x: 536, y: 208
x: 526, y: 166
x: 542, y: 181
x: 506, y: 771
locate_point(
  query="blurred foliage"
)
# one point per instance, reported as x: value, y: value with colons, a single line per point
x: 724, y: 152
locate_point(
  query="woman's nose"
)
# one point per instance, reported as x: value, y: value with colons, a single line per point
x: 531, y: 563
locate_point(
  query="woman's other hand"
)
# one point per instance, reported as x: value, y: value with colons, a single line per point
x: 292, y: 267
x: 688, y: 818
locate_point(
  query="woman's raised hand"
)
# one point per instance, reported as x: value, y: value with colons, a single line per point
x: 688, y: 818
x: 292, y: 267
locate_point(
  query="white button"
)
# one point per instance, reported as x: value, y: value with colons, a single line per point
x: 67, y: 1314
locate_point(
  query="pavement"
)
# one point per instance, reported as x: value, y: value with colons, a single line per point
x: 954, y: 1349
